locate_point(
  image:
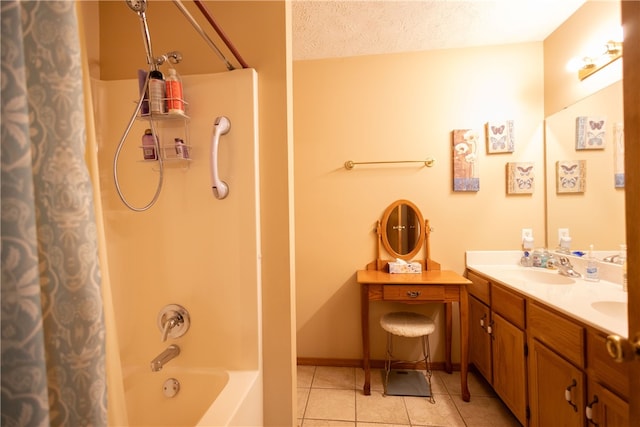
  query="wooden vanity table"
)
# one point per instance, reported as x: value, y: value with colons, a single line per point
x: 402, y: 233
x: 417, y: 288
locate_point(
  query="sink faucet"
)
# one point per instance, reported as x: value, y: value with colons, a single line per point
x: 164, y: 357
x: 566, y: 269
x: 612, y: 258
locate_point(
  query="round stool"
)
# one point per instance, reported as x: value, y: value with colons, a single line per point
x: 409, y: 325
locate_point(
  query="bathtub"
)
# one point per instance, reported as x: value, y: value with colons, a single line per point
x: 206, y: 397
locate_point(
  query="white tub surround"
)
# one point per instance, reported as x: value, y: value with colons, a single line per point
x: 588, y: 302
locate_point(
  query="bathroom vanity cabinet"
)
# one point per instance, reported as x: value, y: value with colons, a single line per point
x: 547, y: 367
x: 498, y: 342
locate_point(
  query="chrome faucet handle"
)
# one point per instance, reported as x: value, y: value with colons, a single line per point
x: 173, y: 321
x: 564, y: 261
x: 169, y: 325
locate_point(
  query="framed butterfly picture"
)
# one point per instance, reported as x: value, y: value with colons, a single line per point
x: 520, y: 178
x: 570, y: 176
x: 500, y: 137
x: 591, y: 133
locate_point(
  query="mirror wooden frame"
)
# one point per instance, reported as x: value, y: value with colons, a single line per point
x: 383, y: 240
x: 389, y: 214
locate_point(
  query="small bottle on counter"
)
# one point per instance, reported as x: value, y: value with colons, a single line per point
x: 525, y: 260
x: 592, y: 267
x: 539, y: 258
x: 175, y: 101
x: 149, y: 146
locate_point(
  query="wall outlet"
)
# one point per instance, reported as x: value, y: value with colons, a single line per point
x: 562, y: 232
x: 527, y: 233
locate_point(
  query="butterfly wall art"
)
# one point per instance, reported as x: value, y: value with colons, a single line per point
x: 500, y: 137
x: 591, y: 133
x: 570, y: 176
x: 520, y: 178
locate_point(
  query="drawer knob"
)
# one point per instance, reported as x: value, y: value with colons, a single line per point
x: 413, y: 294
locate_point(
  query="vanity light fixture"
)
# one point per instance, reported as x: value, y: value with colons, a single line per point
x: 591, y: 64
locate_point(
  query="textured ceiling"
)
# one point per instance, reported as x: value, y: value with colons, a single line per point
x: 330, y: 29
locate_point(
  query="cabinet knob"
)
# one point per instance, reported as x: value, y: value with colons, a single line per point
x: 413, y: 294
x: 621, y: 349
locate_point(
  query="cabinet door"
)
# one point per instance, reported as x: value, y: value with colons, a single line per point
x: 509, y: 366
x: 605, y: 408
x: 479, y: 339
x: 552, y: 380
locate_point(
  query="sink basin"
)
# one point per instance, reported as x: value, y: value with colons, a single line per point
x: 611, y: 308
x: 547, y: 277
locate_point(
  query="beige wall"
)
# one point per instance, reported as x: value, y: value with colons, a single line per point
x: 403, y: 106
x: 593, y: 24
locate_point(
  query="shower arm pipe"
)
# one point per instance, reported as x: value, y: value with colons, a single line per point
x: 205, y: 12
x: 204, y: 35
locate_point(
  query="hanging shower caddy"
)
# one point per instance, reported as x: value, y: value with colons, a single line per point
x: 173, y: 134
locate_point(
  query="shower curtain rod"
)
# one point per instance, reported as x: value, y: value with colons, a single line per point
x: 205, y: 12
x: 202, y: 33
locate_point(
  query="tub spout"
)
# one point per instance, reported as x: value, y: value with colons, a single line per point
x: 164, y: 357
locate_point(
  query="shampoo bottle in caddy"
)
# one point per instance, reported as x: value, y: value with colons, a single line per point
x: 149, y: 146
x: 175, y: 101
x: 156, y: 92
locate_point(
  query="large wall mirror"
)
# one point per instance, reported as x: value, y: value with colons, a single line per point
x: 596, y: 215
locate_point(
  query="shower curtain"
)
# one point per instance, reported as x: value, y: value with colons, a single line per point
x: 52, y: 324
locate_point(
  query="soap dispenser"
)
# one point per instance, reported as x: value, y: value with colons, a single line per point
x: 592, y: 267
x: 527, y: 239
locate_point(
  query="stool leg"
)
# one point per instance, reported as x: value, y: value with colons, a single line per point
x: 387, y: 362
x: 426, y: 351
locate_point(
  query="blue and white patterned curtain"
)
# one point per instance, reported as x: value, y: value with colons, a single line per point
x: 52, y: 329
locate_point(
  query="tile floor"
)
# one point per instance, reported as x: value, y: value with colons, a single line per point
x: 333, y: 397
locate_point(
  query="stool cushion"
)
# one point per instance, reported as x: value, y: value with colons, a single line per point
x: 406, y: 324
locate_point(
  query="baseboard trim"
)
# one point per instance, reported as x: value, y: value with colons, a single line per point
x: 374, y: 363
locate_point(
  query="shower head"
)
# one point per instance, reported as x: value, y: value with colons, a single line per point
x: 138, y: 6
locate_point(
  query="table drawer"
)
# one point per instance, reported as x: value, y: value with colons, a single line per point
x: 479, y: 287
x: 413, y: 292
x: 559, y: 333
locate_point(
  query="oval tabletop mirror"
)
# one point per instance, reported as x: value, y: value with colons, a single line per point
x: 402, y: 229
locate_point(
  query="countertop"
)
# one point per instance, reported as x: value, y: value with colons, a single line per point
x: 598, y: 304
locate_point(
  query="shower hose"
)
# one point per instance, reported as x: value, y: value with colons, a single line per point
x: 157, y: 148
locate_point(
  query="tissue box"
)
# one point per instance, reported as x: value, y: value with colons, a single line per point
x: 410, y: 267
